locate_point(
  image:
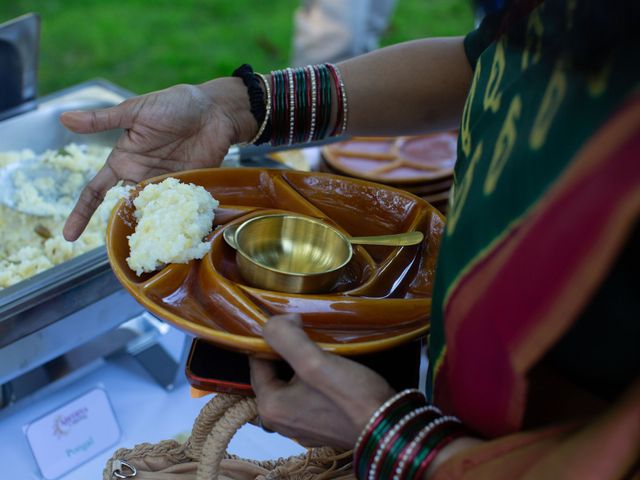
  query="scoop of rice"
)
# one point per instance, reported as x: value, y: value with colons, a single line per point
x: 111, y: 198
x: 173, y: 218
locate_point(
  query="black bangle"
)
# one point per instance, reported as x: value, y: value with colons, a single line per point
x: 256, y: 95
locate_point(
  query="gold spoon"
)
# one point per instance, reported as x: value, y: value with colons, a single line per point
x: 393, y: 240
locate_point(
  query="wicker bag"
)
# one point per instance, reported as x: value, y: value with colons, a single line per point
x: 203, y: 456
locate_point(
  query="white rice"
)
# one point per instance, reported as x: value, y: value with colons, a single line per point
x: 33, y: 244
x: 173, y: 218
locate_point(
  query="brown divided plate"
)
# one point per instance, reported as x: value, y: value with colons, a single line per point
x: 382, y: 300
x: 395, y: 160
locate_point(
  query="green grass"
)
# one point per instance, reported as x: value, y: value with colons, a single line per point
x: 146, y: 45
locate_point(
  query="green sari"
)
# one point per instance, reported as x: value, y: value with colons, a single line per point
x: 542, y: 223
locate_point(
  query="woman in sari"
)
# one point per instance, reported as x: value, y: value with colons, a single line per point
x: 534, y: 358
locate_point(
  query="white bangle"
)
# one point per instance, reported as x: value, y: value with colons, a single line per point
x: 314, y: 102
x: 292, y: 105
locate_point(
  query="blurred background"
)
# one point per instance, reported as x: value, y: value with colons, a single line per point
x: 145, y: 45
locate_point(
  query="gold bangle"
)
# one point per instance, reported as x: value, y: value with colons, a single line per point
x: 267, y: 114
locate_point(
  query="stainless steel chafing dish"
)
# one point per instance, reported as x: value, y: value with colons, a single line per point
x: 70, y: 304
x: 63, y: 318
x: 83, y: 280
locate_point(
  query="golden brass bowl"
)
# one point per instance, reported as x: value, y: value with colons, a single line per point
x: 291, y: 253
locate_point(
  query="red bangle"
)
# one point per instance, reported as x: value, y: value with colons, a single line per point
x: 336, y: 84
x: 380, y: 423
x: 433, y: 453
x: 425, y: 442
x: 398, y: 438
x: 341, y: 119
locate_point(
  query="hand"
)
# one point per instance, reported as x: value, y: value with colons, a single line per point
x: 180, y: 128
x: 329, y: 400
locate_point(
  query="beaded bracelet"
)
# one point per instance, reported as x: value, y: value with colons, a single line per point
x: 402, y: 438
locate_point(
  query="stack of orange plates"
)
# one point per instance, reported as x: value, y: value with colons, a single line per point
x: 422, y: 165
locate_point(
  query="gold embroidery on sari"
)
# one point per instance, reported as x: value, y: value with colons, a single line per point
x: 504, y: 145
x: 492, y: 94
x: 462, y: 191
x: 597, y: 83
x: 533, y: 47
x: 551, y: 100
x: 465, y: 124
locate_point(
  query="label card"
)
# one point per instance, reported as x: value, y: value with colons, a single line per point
x: 74, y: 433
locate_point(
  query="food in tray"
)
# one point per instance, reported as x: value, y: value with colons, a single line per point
x: 172, y: 220
x: 49, y: 184
x: 31, y: 244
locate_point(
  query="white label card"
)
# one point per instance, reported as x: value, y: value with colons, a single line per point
x: 74, y: 433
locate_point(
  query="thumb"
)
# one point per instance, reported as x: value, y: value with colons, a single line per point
x: 98, y: 120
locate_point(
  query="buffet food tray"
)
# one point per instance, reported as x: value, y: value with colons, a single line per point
x: 40, y: 301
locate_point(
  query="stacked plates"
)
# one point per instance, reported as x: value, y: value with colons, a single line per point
x: 422, y: 165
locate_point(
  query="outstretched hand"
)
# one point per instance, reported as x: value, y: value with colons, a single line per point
x: 180, y: 128
x: 327, y: 402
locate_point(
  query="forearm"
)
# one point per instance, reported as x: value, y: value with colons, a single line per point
x: 407, y: 88
x: 404, y: 89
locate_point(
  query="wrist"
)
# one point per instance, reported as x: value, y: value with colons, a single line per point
x: 229, y: 96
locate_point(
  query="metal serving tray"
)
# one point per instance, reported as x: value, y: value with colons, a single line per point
x: 75, y: 284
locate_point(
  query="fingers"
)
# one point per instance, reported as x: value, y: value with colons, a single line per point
x: 90, y: 199
x: 98, y: 120
x: 264, y: 379
x: 285, y: 335
x: 335, y: 376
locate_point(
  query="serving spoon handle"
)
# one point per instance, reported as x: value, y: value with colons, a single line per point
x: 394, y: 240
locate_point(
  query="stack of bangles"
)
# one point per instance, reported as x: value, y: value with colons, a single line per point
x: 403, y: 437
x: 294, y: 105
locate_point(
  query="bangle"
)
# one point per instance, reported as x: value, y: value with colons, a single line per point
x: 256, y: 95
x: 263, y: 134
x: 277, y: 106
x: 426, y: 444
x: 314, y: 102
x: 402, y: 438
x: 341, y: 92
x: 291, y: 105
x: 294, y: 104
x: 380, y: 423
x: 397, y: 438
